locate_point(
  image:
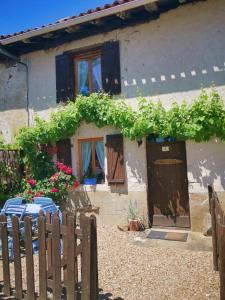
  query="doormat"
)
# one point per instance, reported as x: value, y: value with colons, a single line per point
x: 169, y: 236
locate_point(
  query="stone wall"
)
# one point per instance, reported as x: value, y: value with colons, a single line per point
x: 13, y: 100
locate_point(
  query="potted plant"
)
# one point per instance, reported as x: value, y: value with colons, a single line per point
x: 90, y: 178
x: 133, y: 219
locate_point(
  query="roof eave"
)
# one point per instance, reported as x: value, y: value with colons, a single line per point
x: 76, y: 21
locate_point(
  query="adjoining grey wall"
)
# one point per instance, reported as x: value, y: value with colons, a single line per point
x: 13, y: 100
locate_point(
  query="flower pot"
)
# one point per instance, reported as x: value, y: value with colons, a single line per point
x: 90, y: 181
x: 134, y: 225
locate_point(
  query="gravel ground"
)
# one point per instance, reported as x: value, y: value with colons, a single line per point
x: 128, y: 271
x: 133, y: 272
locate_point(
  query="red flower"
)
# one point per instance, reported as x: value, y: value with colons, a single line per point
x: 39, y: 194
x: 75, y: 184
x: 68, y: 171
x: 54, y: 190
x: 30, y: 192
x: 32, y: 182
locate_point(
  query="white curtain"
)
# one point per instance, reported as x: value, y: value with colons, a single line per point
x: 86, y: 156
x: 99, y: 146
x: 83, y: 87
x: 96, y: 75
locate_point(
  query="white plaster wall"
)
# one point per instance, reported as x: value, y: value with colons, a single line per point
x: 206, y: 165
x: 169, y: 59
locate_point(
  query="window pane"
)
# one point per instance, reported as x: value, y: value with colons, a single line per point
x: 96, y: 75
x: 83, y: 86
x: 86, y: 157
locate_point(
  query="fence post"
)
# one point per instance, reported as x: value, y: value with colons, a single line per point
x: 212, y: 206
x: 85, y: 225
x: 56, y: 258
x: 29, y: 259
x: 222, y: 261
x: 70, y: 258
x: 17, y: 258
x: 42, y: 257
x: 5, y: 255
x: 94, y: 260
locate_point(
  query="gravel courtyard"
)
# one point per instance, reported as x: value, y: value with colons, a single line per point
x: 133, y: 272
x: 128, y: 271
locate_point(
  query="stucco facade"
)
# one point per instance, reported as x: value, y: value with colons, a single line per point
x: 169, y: 59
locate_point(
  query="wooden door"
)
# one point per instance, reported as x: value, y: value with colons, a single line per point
x: 168, y: 199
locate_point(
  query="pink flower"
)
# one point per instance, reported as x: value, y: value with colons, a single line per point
x: 63, y: 168
x: 54, y: 190
x: 32, y: 182
x: 54, y: 177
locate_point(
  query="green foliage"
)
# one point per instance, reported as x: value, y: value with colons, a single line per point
x: 198, y: 121
x: 5, y: 146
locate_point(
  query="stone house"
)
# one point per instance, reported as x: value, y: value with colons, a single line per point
x: 161, y: 49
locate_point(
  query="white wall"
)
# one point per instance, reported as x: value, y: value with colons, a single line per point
x: 206, y: 165
x: 169, y: 58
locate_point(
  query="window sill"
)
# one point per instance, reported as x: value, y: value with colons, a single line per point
x: 92, y: 188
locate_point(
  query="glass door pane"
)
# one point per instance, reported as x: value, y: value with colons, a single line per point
x: 83, y: 82
x: 96, y: 75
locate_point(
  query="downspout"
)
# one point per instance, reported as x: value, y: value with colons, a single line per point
x: 17, y: 60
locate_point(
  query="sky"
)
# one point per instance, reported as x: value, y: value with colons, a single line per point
x: 17, y: 15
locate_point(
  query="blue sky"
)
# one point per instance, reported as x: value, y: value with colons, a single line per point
x: 16, y: 15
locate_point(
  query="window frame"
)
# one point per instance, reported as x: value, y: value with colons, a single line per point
x: 89, y: 56
x: 93, y: 161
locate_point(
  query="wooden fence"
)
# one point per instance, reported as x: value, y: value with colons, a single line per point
x: 65, y: 266
x: 11, y: 170
x: 218, y: 237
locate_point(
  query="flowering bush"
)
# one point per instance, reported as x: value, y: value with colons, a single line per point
x: 56, y: 186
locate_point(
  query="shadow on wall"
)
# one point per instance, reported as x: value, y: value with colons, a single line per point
x: 136, y: 162
x: 207, y: 164
x: 168, y: 80
x: 77, y: 199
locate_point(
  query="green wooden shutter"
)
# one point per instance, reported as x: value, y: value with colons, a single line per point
x: 110, y: 64
x: 65, y: 81
x: 64, y: 152
x: 115, y: 159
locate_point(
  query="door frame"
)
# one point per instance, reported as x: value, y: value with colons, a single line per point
x: 150, y: 203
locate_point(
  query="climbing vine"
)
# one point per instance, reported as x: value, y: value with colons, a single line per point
x: 198, y: 121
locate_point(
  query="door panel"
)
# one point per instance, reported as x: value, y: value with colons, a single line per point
x: 168, y: 199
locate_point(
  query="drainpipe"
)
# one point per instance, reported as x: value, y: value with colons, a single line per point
x: 17, y: 60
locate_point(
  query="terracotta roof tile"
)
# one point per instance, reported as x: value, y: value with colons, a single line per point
x: 90, y: 11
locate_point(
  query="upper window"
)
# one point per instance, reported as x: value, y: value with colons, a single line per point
x: 88, y: 75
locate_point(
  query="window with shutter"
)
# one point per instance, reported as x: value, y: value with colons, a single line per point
x: 110, y: 58
x: 115, y: 159
x: 64, y: 78
x: 92, y: 159
x: 64, y: 152
x: 88, y: 77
